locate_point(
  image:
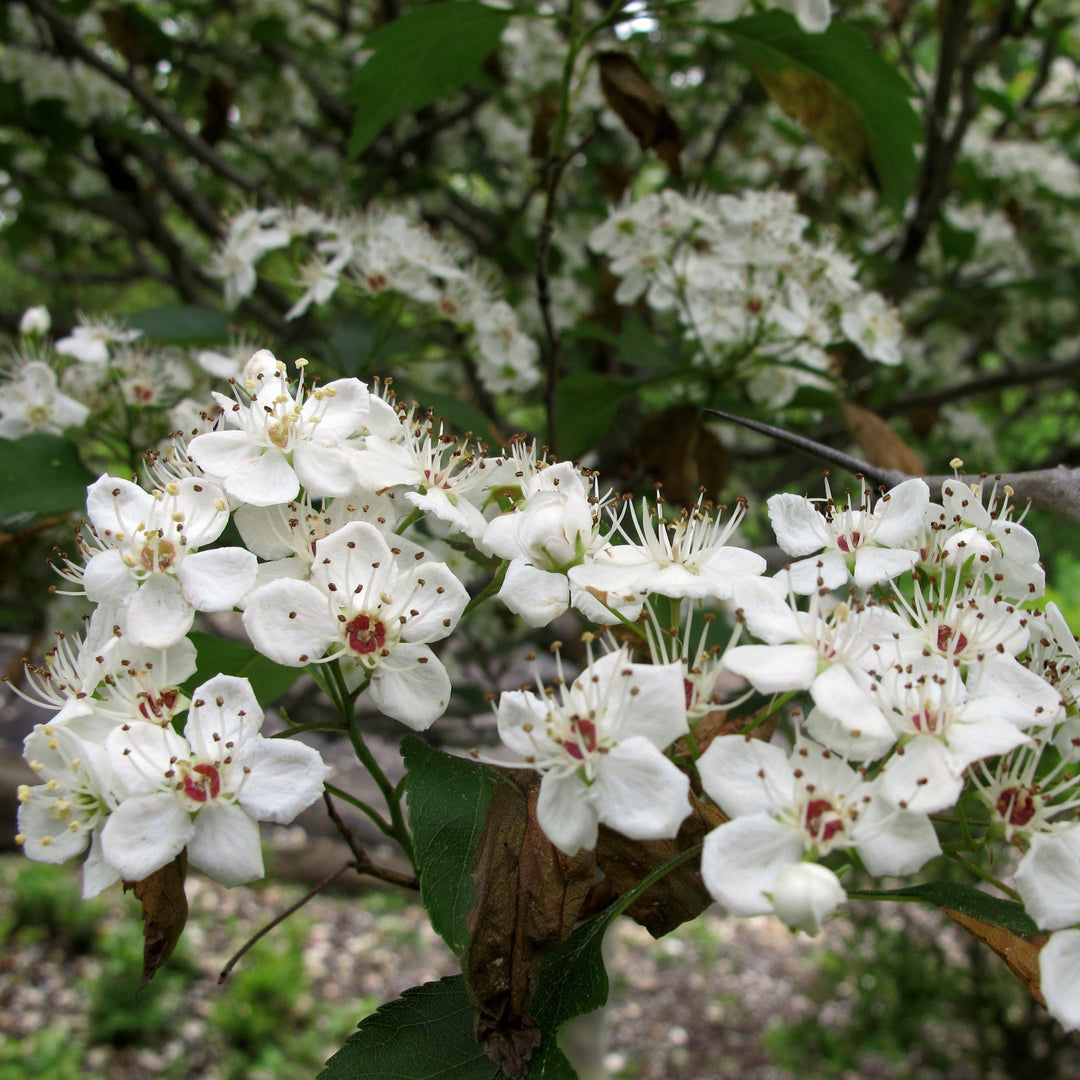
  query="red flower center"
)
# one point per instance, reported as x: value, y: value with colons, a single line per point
x: 822, y: 822
x: 209, y: 787
x: 949, y: 640
x: 583, y: 741
x: 160, y: 707
x: 365, y: 635
x: 848, y: 543
x: 1016, y: 806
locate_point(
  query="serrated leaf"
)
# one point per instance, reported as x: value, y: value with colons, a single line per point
x: 447, y: 799
x: 41, y: 475
x: 223, y: 656
x: 418, y: 59
x: 966, y: 900
x: 180, y: 324
x: 844, y: 58
x: 426, y: 1033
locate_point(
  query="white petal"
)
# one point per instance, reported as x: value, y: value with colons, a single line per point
x: 48, y: 834
x: 639, y: 792
x: 538, y: 596
x: 742, y: 860
x: 799, y: 528
x: 875, y: 565
x: 144, y: 834
x: 226, y: 845
x: 107, y: 580
x: 412, y: 686
x: 325, y: 471
x: 222, y: 453
x: 289, y: 622
x: 1048, y: 878
x: 1059, y: 977
x: 924, y: 777
x: 264, y: 480
x: 565, y: 813
x: 839, y: 696
x: 117, y: 506
x: 98, y: 875
x: 898, y: 517
x: 517, y: 711
x: 746, y: 776
x: 651, y: 697
x: 158, y: 615
x: 826, y: 571
x: 771, y: 669
x: 439, y: 598
x: 223, y: 710
x: 892, y: 841
x: 219, y: 579
x: 285, y: 778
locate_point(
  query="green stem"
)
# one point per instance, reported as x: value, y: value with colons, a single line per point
x: 489, y: 590
x: 776, y: 706
x: 413, y: 515
x: 295, y: 729
x: 986, y: 876
x: 352, y: 800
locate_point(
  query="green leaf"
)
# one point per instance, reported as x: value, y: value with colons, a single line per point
x: 180, y: 324
x: 418, y: 59
x: 446, y: 798
x: 426, y: 1033
x: 966, y: 900
x: 41, y: 475
x: 844, y: 58
x: 573, y: 980
x: 217, y: 656
x: 587, y: 403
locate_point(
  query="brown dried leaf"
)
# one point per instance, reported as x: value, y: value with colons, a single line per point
x: 678, y: 451
x: 529, y: 895
x: 165, y: 910
x: 1021, y: 954
x: 638, y: 105
x: 880, y: 445
x: 677, y: 897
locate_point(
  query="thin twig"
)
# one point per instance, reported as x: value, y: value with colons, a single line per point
x: 309, y: 895
x: 362, y: 860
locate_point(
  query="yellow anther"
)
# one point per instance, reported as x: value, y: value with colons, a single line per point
x: 23, y: 793
x: 221, y: 505
x: 173, y: 488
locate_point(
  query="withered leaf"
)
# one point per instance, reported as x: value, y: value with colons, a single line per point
x: 832, y: 119
x: 880, y: 445
x: 529, y: 895
x: 677, y: 897
x: 640, y: 107
x: 1021, y: 954
x: 164, y: 911
x: 680, y: 452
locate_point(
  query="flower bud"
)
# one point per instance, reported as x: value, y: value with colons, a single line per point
x: 806, y: 894
x: 35, y: 320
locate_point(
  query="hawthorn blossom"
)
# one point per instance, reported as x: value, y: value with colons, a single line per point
x: 281, y: 439
x: 31, y: 402
x: 89, y: 341
x: 1059, y: 976
x: 58, y: 818
x: 142, y: 556
x: 784, y: 809
x: 35, y: 321
x: 555, y: 528
x: 867, y: 544
x: 599, y: 744
x: 365, y: 605
x: 1048, y: 877
x: 688, y: 556
x: 207, y: 789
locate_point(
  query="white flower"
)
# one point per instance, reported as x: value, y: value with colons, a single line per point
x: 58, y: 817
x: 805, y: 895
x: 89, y: 342
x: 145, y: 559
x: 283, y: 440
x: 364, y: 605
x: 685, y: 557
x: 871, y: 323
x: 785, y: 808
x: 35, y: 320
x: 599, y: 744
x: 555, y: 528
x: 206, y: 790
x: 869, y: 542
x: 32, y: 402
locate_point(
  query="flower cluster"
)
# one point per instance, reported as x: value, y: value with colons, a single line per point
x: 895, y: 666
x: 758, y: 299
x: 381, y: 252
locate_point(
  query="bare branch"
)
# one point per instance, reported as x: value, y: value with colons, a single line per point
x: 1056, y: 489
